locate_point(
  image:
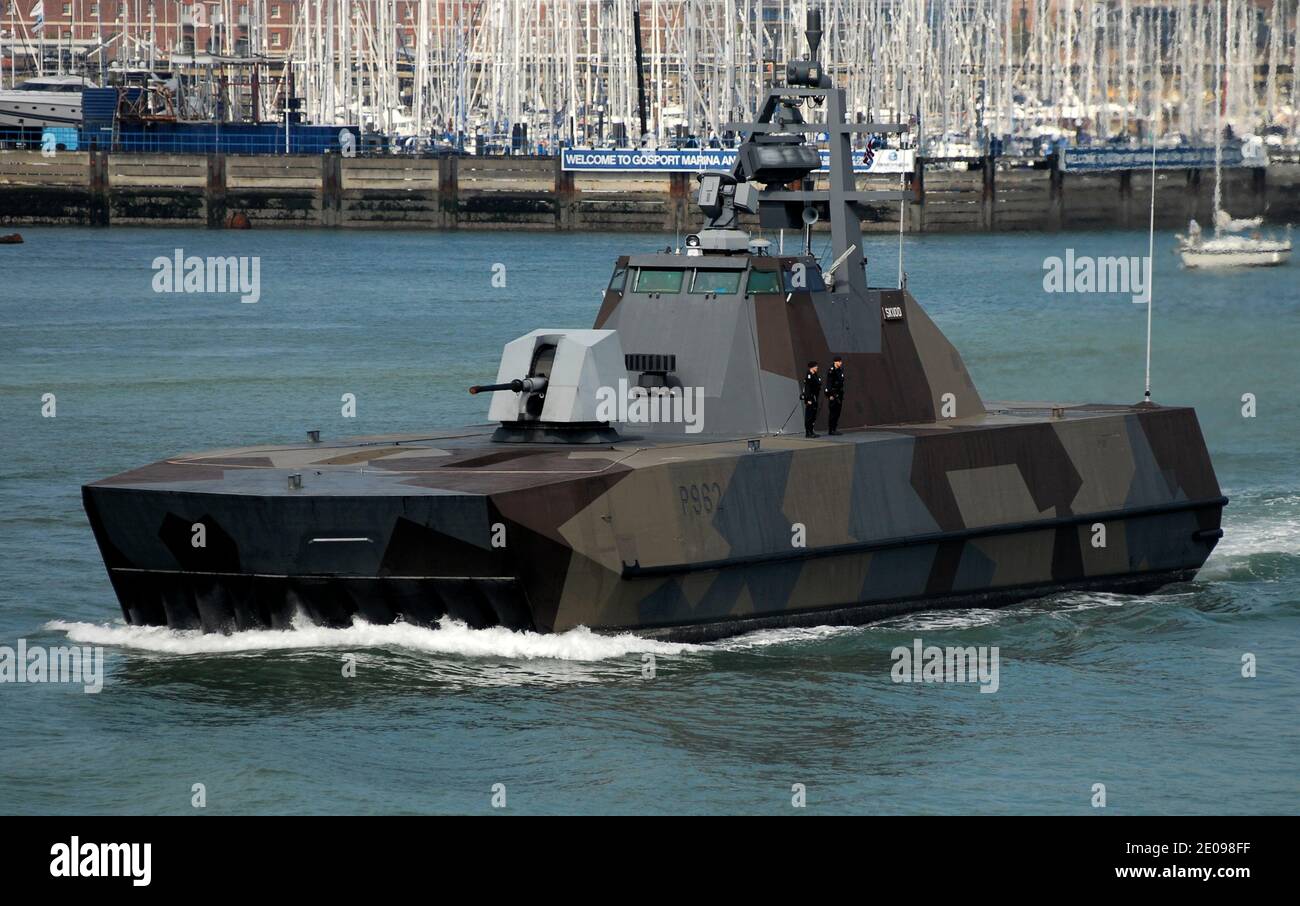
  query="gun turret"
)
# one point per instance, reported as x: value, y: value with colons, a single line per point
x: 564, y: 398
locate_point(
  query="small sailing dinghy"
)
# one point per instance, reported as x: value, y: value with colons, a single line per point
x: 1235, y: 243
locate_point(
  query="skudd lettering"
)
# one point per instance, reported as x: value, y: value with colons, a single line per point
x: 103, y: 860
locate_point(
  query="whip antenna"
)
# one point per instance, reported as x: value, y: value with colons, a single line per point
x: 902, y: 214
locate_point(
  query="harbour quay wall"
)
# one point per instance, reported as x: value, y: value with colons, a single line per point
x: 103, y: 188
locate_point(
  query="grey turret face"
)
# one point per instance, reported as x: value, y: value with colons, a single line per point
x: 575, y: 508
x: 562, y: 370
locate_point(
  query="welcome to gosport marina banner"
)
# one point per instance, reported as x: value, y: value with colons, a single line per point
x: 693, y: 160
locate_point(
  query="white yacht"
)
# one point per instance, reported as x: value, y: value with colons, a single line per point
x: 1235, y: 243
x: 43, y: 101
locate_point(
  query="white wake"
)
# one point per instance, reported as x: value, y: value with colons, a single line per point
x: 1261, y: 524
x: 1271, y: 525
x: 452, y: 638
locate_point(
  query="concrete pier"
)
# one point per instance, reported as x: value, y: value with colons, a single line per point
x: 103, y: 189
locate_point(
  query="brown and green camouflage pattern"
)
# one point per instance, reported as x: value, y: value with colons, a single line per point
x: 680, y: 535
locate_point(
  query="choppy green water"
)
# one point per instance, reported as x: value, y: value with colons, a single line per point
x: 1144, y: 695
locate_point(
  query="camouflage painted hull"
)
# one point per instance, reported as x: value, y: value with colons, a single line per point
x: 677, y: 538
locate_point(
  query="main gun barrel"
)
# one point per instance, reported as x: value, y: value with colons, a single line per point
x: 527, y: 385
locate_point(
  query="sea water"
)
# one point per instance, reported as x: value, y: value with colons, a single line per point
x: 1143, y: 695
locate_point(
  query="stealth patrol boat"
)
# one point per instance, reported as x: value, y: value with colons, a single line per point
x: 559, y: 514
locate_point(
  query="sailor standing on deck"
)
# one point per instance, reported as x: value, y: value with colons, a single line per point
x: 835, y: 392
x: 811, y: 396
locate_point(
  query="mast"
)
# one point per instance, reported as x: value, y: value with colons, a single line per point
x: 1219, y: 78
x: 640, y: 69
x: 775, y: 153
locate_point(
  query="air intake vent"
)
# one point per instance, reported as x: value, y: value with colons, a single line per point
x: 654, y: 363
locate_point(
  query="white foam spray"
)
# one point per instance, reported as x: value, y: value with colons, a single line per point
x: 450, y: 638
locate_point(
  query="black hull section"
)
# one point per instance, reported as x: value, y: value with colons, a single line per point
x: 216, y: 602
x: 267, y: 561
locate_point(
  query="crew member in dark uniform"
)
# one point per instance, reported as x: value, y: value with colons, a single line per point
x: 835, y: 392
x: 812, y: 397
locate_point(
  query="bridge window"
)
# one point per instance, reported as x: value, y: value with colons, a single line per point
x: 659, y: 280
x: 619, y: 280
x: 719, y: 282
x: 763, y: 282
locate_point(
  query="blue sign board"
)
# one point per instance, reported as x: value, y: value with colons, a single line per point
x: 1180, y: 158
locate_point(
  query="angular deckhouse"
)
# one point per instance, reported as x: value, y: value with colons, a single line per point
x: 638, y: 475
